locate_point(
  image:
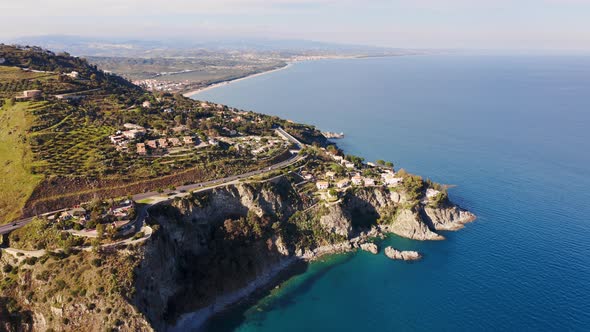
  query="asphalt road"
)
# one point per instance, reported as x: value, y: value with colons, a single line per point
x: 4, y: 229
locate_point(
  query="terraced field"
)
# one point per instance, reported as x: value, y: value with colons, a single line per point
x: 79, y: 149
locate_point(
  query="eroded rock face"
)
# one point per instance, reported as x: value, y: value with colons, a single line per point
x: 337, y: 221
x: 238, y: 200
x: 409, y: 224
x: 447, y: 218
x: 197, y: 261
x: 402, y: 255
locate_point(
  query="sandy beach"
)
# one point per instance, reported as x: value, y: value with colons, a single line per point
x: 289, y: 64
x: 212, y: 86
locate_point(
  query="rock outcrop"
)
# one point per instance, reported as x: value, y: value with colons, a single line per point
x: 402, y: 255
x: 408, y: 223
x: 447, y: 218
x: 370, y: 247
x: 337, y: 221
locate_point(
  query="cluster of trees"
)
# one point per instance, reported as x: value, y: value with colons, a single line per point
x: 384, y: 163
x: 413, y: 185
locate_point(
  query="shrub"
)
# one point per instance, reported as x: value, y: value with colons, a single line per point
x: 138, y: 235
x: 31, y: 260
x: 60, y: 284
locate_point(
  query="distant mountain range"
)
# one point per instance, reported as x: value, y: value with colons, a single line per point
x: 89, y: 46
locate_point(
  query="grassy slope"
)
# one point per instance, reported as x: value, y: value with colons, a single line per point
x: 16, y: 180
x: 14, y: 73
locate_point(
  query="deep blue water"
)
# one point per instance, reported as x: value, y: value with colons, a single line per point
x: 513, y: 133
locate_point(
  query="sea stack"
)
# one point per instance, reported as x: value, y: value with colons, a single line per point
x: 402, y: 255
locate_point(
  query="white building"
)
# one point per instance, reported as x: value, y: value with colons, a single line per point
x: 391, y: 180
x: 431, y: 192
x: 342, y: 183
x: 369, y: 182
x: 133, y: 133
x: 73, y: 74
x: 357, y: 180
x: 322, y: 185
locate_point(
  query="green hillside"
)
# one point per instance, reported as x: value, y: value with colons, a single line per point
x: 58, y: 147
x: 16, y: 179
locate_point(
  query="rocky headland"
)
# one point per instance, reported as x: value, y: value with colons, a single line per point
x: 213, y: 249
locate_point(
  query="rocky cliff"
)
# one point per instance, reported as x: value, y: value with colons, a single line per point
x: 208, y: 251
x: 212, y: 247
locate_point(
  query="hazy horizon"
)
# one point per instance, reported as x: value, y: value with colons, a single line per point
x: 544, y: 25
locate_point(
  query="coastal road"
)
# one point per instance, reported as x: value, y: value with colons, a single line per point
x: 222, y: 181
x: 4, y: 229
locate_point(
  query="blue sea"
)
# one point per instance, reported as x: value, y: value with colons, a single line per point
x: 512, y: 133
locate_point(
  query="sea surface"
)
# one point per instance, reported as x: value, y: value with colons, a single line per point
x: 511, y: 132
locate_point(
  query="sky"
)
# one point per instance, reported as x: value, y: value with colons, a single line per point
x: 465, y: 24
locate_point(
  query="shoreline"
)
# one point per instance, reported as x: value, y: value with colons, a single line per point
x: 268, y: 280
x: 191, y: 93
x: 285, y: 269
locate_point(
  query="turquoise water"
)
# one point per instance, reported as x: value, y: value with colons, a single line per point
x: 512, y: 133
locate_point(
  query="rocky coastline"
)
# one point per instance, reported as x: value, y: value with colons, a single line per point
x: 209, y: 232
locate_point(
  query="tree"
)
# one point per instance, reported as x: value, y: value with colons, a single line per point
x: 111, y: 232
x: 68, y: 243
x: 100, y: 231
x: 380, y: 162
x: 178, y: 119
x: 95, y: 244
x: 389, y: 164
x: 190, y: 124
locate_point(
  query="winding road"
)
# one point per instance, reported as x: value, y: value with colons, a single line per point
x: 201, y: 186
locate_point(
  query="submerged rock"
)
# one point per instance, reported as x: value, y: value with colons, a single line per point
x: 402, y: 255
x: 370, y: 247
